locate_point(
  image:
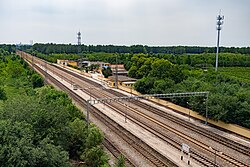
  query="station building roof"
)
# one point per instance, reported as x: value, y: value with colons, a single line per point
x: 122, y: 78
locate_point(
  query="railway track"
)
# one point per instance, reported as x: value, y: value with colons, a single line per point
x: 240, y: 148
x: 204, y: 161
x: 188, y: 139
x: 220, y: 139
x: 155, y: 158
x: 115, y: 151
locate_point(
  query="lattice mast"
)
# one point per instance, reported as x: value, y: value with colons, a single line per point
x: 79, y: 41
x: 79, y: 38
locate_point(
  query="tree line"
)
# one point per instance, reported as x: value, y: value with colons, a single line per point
x: 207, y: 60
x: 69, y: 48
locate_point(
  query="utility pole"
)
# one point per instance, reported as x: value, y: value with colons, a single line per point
x: 46, y: 70
x: 116, y: 74
x: 219, y: 23
x: 32, y: 59
x: 206, y: 109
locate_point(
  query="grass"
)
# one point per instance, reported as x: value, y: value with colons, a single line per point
x: 241, y: 73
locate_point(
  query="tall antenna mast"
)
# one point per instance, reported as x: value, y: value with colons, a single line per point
x: 79, y: 38
x: 79, y: 41
x: 219, y: 23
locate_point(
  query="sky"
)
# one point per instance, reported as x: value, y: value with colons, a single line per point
x: 125, y: 22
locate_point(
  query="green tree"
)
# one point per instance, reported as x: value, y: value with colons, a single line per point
x: 132, y: 72
x: 188, y: 60
x: 94, y: 154
x: 162, y: 86
x: 94, y: 138
x: 50, y: 155
x: 77, y: 138
x: 95, y: 157
x: 14, y: 69
x: 107, y: 72
x: 17, y: 148
x: 2, y: 94
x: 37, y: 80
x: 144, y: 70
x: 161, y: 68
x: 144, y: 85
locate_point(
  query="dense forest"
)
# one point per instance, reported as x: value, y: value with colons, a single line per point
x: 64, y: 48
x: 39, y: 126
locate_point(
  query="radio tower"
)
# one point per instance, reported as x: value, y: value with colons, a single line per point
x: 79, y: 41
x: 79, y: 38
x: 220, y: 19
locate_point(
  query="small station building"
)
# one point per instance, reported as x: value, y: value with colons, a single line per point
x: 99, y: 63
x: 67, y: 62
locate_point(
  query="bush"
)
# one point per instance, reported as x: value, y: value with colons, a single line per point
x: 2, y: 94
x: 37, y: 80
x: 107, y: 72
